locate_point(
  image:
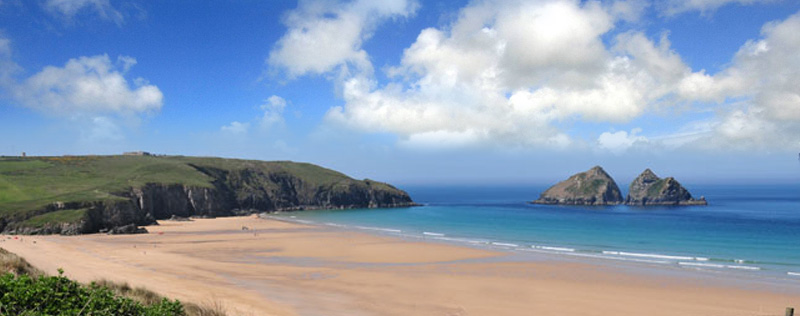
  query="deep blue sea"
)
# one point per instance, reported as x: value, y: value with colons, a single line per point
x: 751, y: 229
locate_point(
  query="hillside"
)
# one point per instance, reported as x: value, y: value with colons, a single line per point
x: 84, y: 194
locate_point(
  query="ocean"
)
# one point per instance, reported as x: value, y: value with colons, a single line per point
x: 752, y: 229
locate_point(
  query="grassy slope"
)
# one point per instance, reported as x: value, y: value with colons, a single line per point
x: 34, y: 182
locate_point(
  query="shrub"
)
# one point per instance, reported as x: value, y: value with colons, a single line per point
x: 58, y: 295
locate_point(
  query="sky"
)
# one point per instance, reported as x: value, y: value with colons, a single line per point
x: 414, y: 92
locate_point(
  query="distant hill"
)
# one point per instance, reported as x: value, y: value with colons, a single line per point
x: 85, y: 194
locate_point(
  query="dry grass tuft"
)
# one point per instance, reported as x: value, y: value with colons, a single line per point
x: 17, y: 265
x: 214, y: 308
x: 148, y: 297
x: 12, y: 263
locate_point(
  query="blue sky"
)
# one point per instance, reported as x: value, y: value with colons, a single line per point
x: 414, y: 92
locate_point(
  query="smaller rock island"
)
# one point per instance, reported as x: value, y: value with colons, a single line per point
x: 592, y: 187
x: 649, y: 189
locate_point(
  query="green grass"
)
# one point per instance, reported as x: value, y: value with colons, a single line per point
x: 656, y: 188
x: 34, y: 182
x: 63, y: 216
x: 31, y: 183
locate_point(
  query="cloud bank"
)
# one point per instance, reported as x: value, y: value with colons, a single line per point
x: 511, y: 73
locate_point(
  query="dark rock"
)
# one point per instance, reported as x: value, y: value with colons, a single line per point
x: 179, y: 219
x: 593, y: 187
x: 127, y: 229
x: 649, y: 189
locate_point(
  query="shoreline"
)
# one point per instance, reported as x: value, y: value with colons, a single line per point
x: 691, y: 264
x: 281, y: 268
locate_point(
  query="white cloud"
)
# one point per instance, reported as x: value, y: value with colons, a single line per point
x: 7, y: 66
x: 673, y: 7
x: 88, y: 85
x: 272, y: 116
x: 324, y: 35
x: 763, y: 77
x: 69, y: 8
x: 619, y: 142
x: 510, y: 73
x: 273, y: 111
x: 506, y: 71
x: 628, y: 10
x: 236, y: 128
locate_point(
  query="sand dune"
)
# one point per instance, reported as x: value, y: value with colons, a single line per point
x: 278, y: 268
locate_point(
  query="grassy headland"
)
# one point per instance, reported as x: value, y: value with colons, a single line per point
x: 76, y: 194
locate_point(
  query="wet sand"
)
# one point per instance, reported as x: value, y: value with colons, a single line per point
x: 280, y: 268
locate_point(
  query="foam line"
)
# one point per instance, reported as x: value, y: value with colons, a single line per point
x: 793, y: 273
x: 586, y: 255
x: 504, y: 244
x: 649, y: 255
x: 554, y: 248
x: 380, y: 229
x: 432, y: 234
x: 743, y: 267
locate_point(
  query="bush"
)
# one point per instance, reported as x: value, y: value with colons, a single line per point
x: 58, y: 295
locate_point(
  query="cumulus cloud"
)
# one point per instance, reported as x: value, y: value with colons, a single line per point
x: 323, y: 35
x: 88, y: 85
x: 7, y: 66
x: 511, y: 73
x: 272, y: 116
x: 673, y: 7
x: 506, y: 71
x: 621, y: 141
x: 273, y: 109
x: 69, y: 8
x: 762, y: 78
x: 236, y: 128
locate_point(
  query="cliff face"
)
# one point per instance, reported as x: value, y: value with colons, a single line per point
x: 649, y: 189
x: 239, y: 191
x: 593, y: 187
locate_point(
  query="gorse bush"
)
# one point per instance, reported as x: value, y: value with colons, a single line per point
x: 58, y: 295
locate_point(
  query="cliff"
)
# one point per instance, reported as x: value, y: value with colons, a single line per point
x: 76, y: 195
x: 649, y: 189
x: 593, y: 187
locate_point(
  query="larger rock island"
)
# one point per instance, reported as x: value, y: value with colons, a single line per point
x: 649, y: 189
x: 592, y: 187
x: 86, y: 194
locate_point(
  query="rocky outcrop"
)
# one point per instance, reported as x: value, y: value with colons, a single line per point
x: 127, y: 229
x: 649, y: 189
x: 593, y: 187
x: 232, y: 192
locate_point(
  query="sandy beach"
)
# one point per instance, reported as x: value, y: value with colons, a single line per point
x: 280, y: 268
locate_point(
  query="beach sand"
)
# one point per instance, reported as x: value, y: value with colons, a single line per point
x: 280, y: 268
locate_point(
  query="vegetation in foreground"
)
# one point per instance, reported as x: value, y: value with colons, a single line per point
x: 25, y: 290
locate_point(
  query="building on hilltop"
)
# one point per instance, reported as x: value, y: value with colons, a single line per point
x: 137, y: 153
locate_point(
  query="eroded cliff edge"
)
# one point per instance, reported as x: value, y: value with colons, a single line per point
x: 231, y: 187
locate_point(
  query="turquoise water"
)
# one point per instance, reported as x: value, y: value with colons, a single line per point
x: 752, y: 229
